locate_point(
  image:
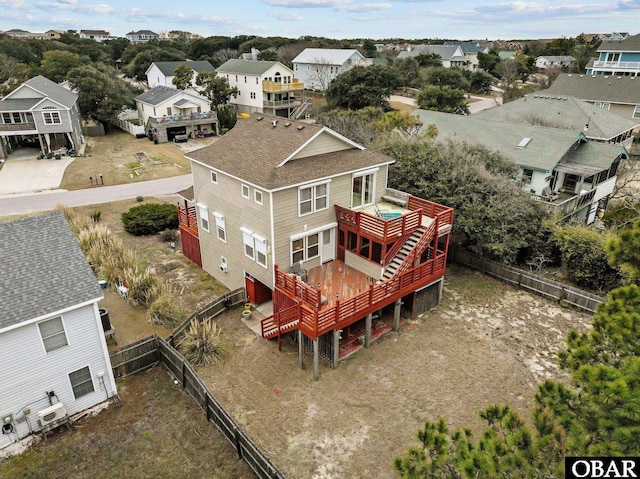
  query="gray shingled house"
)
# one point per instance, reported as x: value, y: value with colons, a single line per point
x: 53, y: 354
x: 42, y: 114
x: 163, y: 73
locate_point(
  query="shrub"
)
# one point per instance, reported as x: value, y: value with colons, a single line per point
x: 167, y: 311
x: 150, y: 218
x: 172, y: 236
x: 202, y: 344
x: 95, y: 216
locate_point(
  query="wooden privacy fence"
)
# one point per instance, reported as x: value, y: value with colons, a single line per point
x: 211, y: 310
x: 529, y: 281
x: 150, y: 351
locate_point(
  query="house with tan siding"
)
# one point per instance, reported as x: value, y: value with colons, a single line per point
x: 54, y: 360
x: 301, y: 217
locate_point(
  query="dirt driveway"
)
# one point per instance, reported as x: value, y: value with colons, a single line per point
x: 486, y: 343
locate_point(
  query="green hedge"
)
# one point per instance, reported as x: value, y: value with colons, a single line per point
x: 150, y: 218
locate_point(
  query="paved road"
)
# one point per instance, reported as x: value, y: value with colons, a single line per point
x: 21, y: 204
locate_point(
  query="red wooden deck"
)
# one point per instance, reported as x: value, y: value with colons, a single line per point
x: 337, y: 281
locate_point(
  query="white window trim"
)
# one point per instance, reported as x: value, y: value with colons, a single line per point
x: 247, y: 235
x: 314, y: 197
x: 64, y: 330
x: 305, y: 246
x: 255, y: 196
x: 51, y: 116
x: 214, y: 174
x: 71, y: 384
x: 203, y: 211
x: 221, y: 225
x: 636, y: 112
x: 242, y: 189
x: 362, y: 174
x: 260, y: 246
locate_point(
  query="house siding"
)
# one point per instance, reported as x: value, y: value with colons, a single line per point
x: 34, y: 371
x: 323, y: 143
x: 226, y: 198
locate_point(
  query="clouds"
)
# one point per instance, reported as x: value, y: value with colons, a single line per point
x: 337, y: 5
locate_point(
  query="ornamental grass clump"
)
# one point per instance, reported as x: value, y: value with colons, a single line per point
x: 202, y: 344
x: 143, y: 286
x: 167, y: 311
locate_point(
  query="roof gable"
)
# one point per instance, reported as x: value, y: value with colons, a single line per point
x: 169, y: 68
x: 249, y: 67
x: 629, y: 44
x: 161, y: 94
x: 330, y: 56
x: 40, y: 87
x: 43, y: 269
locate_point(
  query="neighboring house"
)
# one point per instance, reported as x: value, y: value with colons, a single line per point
x: 252, y: 55
x: 273, y: 197
x: 163, y: 73
x: 43, y: 114
x: 617, y: 94
x: 264, y: 87
x: 167, y: 112
x: 572, y: 176
x: 470, y: 50
x: 568, y: 113
x: 451, y: 55
x: 23, y: 34
x: 618, y: 56
x: 141, y: 36
x: 53, y: 34
x: 96, y: 35
x: 550, y: 62
x: 317, y: 67
x: 52, y: 344
x: 507, y: 55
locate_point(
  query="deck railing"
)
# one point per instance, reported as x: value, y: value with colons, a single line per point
x: 279, y: 87
x: 617, y: 65
x: 418, y: 248
x: 431, y: 209
x: 187, y: 220
x: 384, y: 230
x: 17, y: 126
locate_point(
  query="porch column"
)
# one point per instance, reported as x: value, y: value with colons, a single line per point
x: 396, y: 315
x: 47, y: 139
x: 367, y: 330
x: 336, y: 348
x: 315, y: 359
x: 300, y: 349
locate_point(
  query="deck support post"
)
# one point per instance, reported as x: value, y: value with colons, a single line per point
x: 336, y: 348
x: 440, y: 288
x: 367, y: 330
x: 315, y: 359
x: 301, y: 349
x: 396, y: 315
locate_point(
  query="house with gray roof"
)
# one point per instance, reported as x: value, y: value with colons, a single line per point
x: 141, y: 36
x: 567, y: 113
x: 168, y: 114
x: 451, y: 55
x: 618, y: 56
x: 572, y: 176
x: 317, y: 67
x: 96, y: 35
x: 53, y: 351
x: 301, y: 217
x: 40, y: 113
x: 267, y: 87
x: 163, y: 73
x: 615, y: 94
x: 548, y: 62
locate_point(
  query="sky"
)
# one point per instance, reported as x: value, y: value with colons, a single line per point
x: 375, y: 19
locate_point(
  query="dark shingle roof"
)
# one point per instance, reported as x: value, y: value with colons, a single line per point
x: 254, y: 149
x: 43, y: 269
x: 169, y: 68
x: 159, y: 94
x: 629, y: 44
x: 604, y: 88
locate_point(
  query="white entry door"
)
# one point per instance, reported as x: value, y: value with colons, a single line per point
x: 328, y: 245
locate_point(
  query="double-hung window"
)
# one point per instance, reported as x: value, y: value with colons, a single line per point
x: 255, y: 246
x: 204, y: 217
x: 313, y: 198
x: 247, y: 240
x: 305, y: 248
x: 636, y: 112
x: 52, y: 334
x: 51, y: 117
x: 221, y: 229
x: 261, y: 250
x: 81, y: 382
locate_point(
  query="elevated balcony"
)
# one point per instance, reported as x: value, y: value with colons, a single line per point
x: 336, y: 294
x: 618, y: 66
x: 18, y: 127
x: 279, y: 87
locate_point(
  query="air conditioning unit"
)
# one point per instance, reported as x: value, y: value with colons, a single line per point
x: 52, y: 414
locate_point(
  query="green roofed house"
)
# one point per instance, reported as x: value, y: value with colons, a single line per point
x: 54, y: 360
x: 616, y: 94
x: 162, y: 73
x: 267, y: 87
x: 573, y: 176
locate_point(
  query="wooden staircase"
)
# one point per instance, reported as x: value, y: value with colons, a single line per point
x: 410, y: 251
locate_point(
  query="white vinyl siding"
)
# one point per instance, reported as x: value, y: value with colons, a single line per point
x: 81, y: 382
x: 52, y: 334
x: 51, y: 118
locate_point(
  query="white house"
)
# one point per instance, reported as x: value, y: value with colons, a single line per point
x: 96, y: 35
x: 619, y: 55
x: 141, y: 36
x: 317, y: 67
x: 166, y: 112
x: 163, y: 73
x: 451, y: 55
x: 53, y: 352
x: 264, y: 87
x: 559, y: 61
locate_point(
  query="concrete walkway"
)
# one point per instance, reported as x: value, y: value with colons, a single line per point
x: 31, y: 203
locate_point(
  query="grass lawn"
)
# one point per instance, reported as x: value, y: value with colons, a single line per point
x: 157, y: 432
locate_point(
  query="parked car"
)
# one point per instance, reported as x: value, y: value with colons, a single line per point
x: 180, y: 137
